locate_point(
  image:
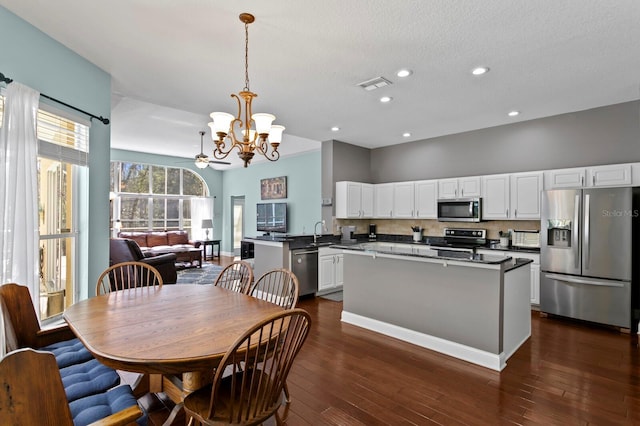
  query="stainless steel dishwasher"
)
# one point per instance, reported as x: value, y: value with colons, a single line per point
x: 304, y: 263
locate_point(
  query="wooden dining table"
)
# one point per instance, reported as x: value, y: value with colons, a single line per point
x: 174, y: 334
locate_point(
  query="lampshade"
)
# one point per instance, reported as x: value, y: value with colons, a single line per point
x: 275, y: 135
x: 207, y: 223
x: 263, y: 122
x: 221, y: 122
x: 202, y: 163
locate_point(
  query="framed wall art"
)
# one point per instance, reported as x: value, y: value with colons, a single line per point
x: 273, y: 188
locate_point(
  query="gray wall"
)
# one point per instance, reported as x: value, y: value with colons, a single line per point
x: 605, y: 135
x: 341, y: 161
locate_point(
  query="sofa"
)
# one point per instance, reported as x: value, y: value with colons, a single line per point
x: 126, y: 250
x: 153, y: 243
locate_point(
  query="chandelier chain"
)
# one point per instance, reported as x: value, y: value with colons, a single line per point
x: 246, y: 56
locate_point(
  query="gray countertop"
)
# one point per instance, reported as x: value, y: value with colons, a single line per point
x: 422, y: 250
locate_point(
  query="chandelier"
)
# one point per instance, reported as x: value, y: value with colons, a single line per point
x: 255, y: 130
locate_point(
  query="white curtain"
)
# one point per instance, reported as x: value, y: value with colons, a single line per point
x: 19, y: 240
x: 201, y: 208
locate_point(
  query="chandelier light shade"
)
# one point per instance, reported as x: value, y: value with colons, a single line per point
x: 255, y: 131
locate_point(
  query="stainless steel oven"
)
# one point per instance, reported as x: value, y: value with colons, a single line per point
x: 460, y: 210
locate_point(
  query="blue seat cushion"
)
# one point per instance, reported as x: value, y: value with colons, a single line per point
x: 69, y: 352
x: 88, y: 378
x: 95, y: 407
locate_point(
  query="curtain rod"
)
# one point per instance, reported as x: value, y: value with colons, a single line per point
x: 102, y: 119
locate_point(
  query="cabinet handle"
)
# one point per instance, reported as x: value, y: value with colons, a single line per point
x: 507, y: 212
x: 333, y: 259
x: 337, y: 259
x: 581, y: 180
x: 515, y: 212
x: 593, y: 180
x: 390, y: 213
x: 417, y: 213
x: 462, y: 192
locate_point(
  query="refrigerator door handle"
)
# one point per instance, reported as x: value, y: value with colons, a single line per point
x: 588, y: 281
x: 587, y: 223
x: 574, y: 232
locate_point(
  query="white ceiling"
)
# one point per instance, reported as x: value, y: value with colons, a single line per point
x: 174, y: 62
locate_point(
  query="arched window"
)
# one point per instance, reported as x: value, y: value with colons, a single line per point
x: 150, y: 197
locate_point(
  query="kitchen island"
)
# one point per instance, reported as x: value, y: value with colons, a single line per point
x: 470, y: 306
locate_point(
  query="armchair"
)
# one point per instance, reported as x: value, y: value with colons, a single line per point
x: 125, y: 250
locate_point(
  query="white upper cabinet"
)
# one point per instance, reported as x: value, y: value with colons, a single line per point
x: 448, y: 188
x: 426, y: 199
x: 613, y: 175
x: 354, y: 200
x: 383, y: 200
x: 403, y: 200
x: 586, y: 177
x: 525, y: 195
x: 366, y: 202
x: 495, y: 203
x: 566, y: 178
x: 511, y: 196
x: 460, y: 187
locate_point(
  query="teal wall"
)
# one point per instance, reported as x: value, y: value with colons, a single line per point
x: 303, y: 174
x: 213, y: 178
x: 32, y: 58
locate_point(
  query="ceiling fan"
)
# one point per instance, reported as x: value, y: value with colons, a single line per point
x: 202, y: 160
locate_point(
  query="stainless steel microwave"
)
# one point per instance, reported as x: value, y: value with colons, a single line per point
x: 460, y: 209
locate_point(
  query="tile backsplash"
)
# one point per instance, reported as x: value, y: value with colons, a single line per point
x: 433, y: 227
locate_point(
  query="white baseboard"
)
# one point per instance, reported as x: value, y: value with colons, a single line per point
x: 495, y: 362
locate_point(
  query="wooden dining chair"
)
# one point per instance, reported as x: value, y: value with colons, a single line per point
x: 127, y: 275
x: 279, y: 286
x: 32, y: 393
x: 237, y: 277
x: 252, y: 394
x: 21, y: 325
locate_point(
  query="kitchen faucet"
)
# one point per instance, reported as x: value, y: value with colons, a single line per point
x: 315, y: 235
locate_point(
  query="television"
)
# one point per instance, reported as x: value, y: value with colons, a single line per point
x: 271, y: 217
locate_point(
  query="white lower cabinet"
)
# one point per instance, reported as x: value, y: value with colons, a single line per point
x: 535, y: 268
x: 330, y: 270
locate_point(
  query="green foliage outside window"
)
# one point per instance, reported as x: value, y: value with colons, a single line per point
x: 154, y: 197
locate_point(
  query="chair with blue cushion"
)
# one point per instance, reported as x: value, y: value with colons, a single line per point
x: 88, y: 378
x: 22, y: 329
x: 37, y: 398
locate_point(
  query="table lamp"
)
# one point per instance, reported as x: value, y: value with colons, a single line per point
x: 206, y: 225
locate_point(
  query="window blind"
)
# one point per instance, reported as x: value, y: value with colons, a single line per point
x: 59, y: 137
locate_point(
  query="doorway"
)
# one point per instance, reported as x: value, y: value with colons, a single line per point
x: 237, y: 230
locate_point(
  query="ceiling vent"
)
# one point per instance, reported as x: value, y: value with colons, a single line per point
x: 374, y: 83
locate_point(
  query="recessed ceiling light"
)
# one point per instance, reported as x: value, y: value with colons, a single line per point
x: 385, y: 99
x: 406, y: 134
x: 404, y: 73
x: 335, y: 128
x: 513, y: 113
x: 480, y: 70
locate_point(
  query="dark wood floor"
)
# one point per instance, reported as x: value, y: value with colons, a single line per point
x: 566, y: 374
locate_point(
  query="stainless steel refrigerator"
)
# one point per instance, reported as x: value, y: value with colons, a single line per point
x: 586, y: 254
